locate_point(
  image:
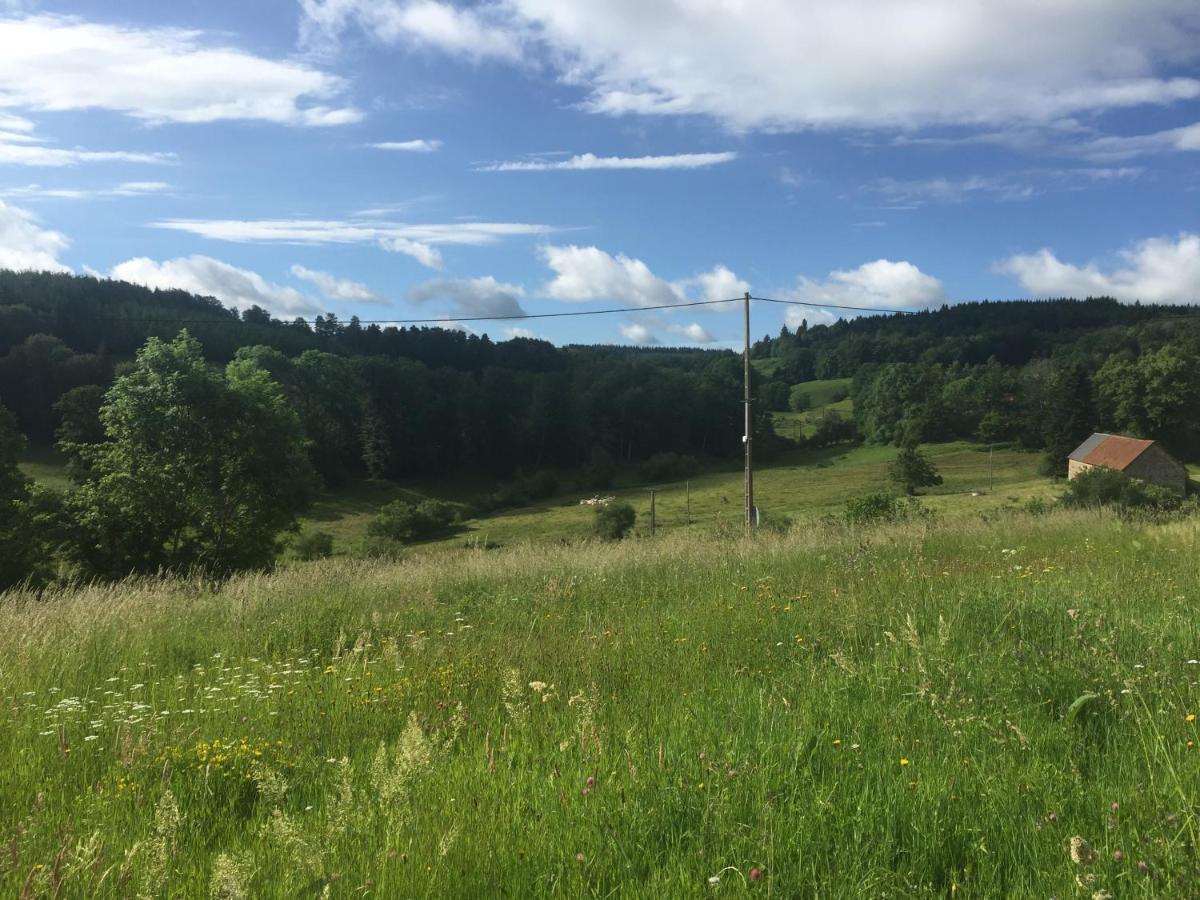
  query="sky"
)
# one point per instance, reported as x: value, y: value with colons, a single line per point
x: 398, y: 159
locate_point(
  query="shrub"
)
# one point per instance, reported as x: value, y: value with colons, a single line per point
x: 407, y: 522
x: 313, y: 545
x: 1036, y: 506
x: 773, y: 395
x: 667, y: 467
x: 1107, y: 487
x: 613, y: 520
x: 881, y: 506
x: 833, y: 429
x: 799, y: 400
x: 912, y: 469
x: 838, y: 394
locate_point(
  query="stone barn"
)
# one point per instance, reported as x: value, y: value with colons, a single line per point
x: 1144, y: 460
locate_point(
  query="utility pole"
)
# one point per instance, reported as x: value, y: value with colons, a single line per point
x: 688, y: 486
x: 747, y: 438
x: 652, y: 523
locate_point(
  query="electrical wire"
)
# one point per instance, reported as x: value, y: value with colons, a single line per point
x: 876, y: 309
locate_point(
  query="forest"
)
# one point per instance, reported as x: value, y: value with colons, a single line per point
x: 195, y: 434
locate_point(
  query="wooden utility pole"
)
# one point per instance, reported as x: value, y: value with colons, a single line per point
x: 652, y: 522
x: 688, y: 486
x: 747, y: 438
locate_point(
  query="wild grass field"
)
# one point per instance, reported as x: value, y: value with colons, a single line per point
x: 928, y: 710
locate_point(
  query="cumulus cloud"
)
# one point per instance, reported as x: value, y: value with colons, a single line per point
x: 637, y: 333
x: 882, y: 284
x: 718, y: 284
x: 213, y: 278
x: 429, y: 257
x: 919, y: 63
x: 340, y: 289
x: 589, y: 161
x: 25, y: 245
x: 476, y: 33
x: 471, y: 297
x: 56, y: 63
x: 694, y: 332
x: 419, y: 145
x: 1156, y: 270
x: 588, y: 273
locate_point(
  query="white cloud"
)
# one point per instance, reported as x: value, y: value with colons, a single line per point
x: 1156, y: 270
x: 780, y: 64
x: 419, y: 145
x: 588, y: 161
x: 637, y: 333
x: 474, y: 33
x: 427, y: 256
x: 694, y: 332
x: 512, y: 332
x: 36, y: 154
x: 418, y: 241
x: 333, y: 288
x: 718, y: 284
x: 1173, y: 140
x: 124, y: 189
x: 882, y: 284
x: 56, y: 63
x: 323, y: 231
x: 471, y: 297
x: 24, y: 245
x: 588, y: 273
x: 213, y: 278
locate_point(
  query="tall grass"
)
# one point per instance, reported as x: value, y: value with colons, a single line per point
x: 916, y: 711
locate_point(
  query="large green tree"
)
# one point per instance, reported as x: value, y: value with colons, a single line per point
x: 200, y: 469
x: 14, y: 543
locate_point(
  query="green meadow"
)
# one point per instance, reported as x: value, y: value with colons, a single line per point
x: 928, y: 710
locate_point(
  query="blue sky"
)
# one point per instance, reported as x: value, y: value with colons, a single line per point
x: 425, y: 158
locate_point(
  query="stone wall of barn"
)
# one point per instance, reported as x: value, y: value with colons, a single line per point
x: 1156, y: 466
x: 1075, y: 467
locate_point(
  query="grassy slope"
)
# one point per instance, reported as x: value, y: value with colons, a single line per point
x: 866, y: 714
x: 802, y: 485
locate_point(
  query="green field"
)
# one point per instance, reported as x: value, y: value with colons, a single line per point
x: 802, y: 486
x: 932, y: 710
x: 821, y: 395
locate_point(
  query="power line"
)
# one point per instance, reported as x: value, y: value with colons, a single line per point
x: 903, y: 312
x: 450, y: 320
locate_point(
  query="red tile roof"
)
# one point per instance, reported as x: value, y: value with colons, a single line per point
x: 1116, y: 452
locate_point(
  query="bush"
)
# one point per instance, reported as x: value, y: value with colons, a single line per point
x: 799, y: 400
x: 833, y: 429
x: 407, y: 522
x: 1107, y: 487
x: 668, y: 466
x: 883, y: 507
x: 912, y: 469
x: 613, y: 520
x: 773, y: 395
x: 313, y: 545
x: 838, y: 394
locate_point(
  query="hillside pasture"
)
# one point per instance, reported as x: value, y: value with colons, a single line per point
x: 916, y: 711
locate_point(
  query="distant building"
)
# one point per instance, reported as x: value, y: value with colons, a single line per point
x: 1144, y: 460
